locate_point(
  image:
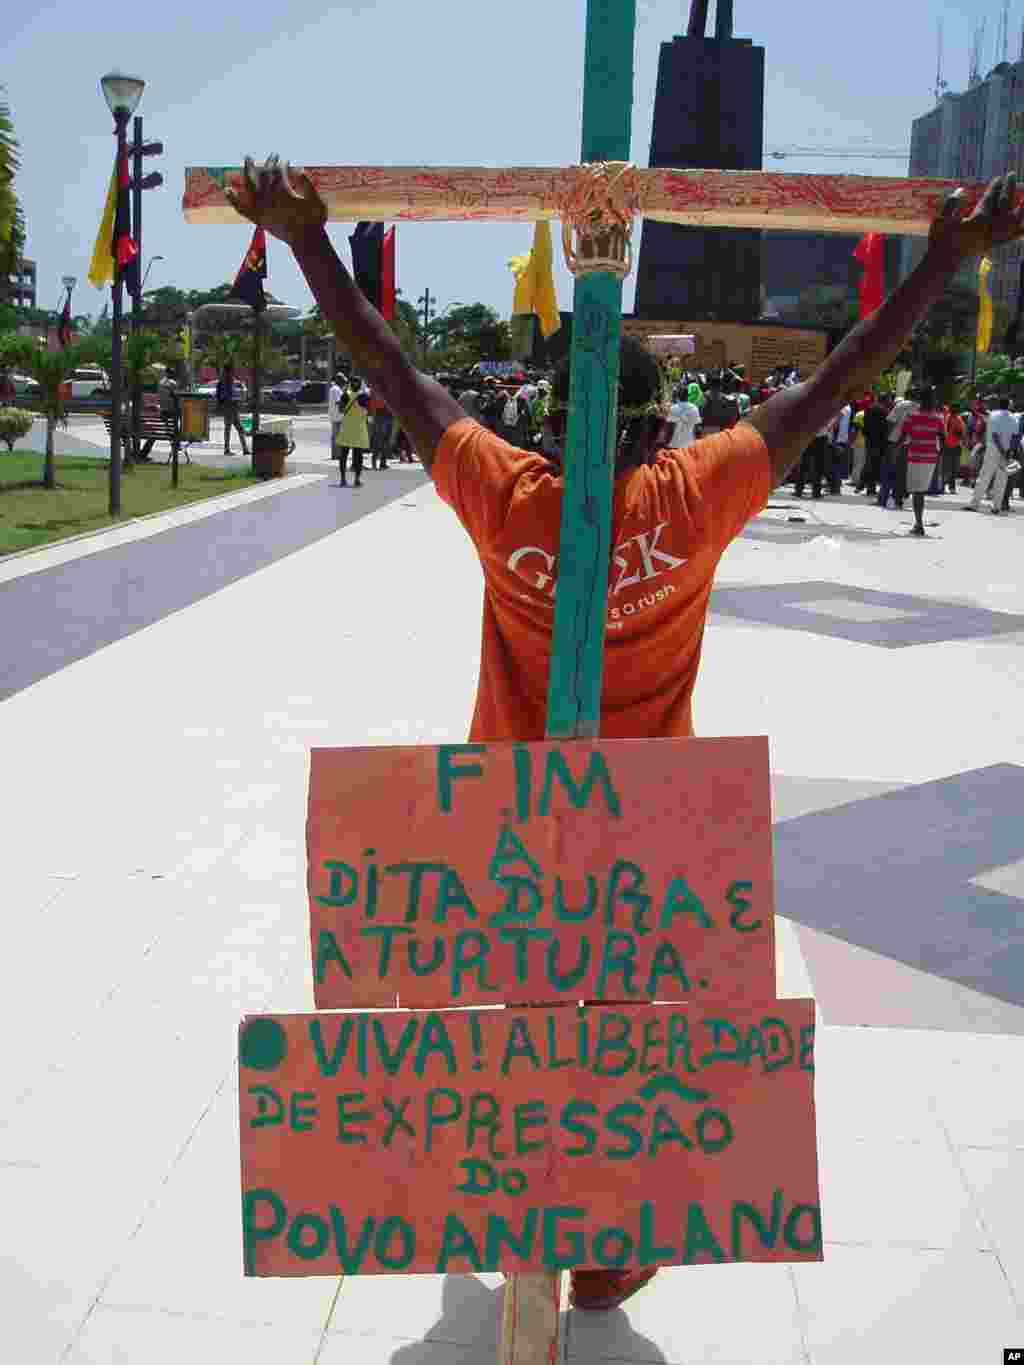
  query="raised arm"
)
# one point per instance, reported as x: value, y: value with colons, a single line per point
x: 286, y: 204
x: 790, y: 420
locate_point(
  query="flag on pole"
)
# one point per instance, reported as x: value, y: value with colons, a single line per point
x: 126, y: 253
x: 870, y: 252
x: 64, y: 326
x: 185, y: 337
x: 984, y: 338
x: 248, y: 286
x: 373, y: 264
x: 387, y: 283
x: 101, y: 267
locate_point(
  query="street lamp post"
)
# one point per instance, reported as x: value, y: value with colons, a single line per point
x: 122, y: 94
x: 69, y: 282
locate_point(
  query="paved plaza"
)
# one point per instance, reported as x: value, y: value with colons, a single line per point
x: 161, y: 687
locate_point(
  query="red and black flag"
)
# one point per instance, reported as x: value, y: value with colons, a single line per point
x: 373, y: 263
x: 248, y: 286
x: 64, y: 326
x: 126, y: 253
x: 870, y: 252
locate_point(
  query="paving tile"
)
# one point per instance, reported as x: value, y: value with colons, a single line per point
x: 867, y: 1086
x: 996, y: 1179
x: 980, y: 1097
x: 868, y: 1304
x: 187, y: 1256
x: 464, y: 1310
x: 128, y: 1338
x: 379, y: 1350
x: 904, y: 1194
x: 688, y: 1314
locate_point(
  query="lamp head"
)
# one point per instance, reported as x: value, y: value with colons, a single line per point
x: 122, y: 93
x: 68, y: 281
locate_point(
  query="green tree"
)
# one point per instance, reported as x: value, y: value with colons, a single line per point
x: 50, y: 370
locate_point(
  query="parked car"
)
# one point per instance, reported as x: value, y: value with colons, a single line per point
x: 88, y: 380
x: 284, y: 392
x: 23, y: 385
x: 210, y: 391
x: 313, y: 391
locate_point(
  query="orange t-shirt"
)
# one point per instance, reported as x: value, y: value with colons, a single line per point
x: 671, y: 523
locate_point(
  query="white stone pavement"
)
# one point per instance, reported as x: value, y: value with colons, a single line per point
x: 153, y: 872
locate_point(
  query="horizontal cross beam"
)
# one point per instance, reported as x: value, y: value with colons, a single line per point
x: 721, y: 199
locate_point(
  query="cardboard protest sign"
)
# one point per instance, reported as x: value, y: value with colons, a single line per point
x: 535, y: 1139
x: 624, y: 870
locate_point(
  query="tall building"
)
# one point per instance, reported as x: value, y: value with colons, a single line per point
x: 708, y: 113
x: 973, y: 136
x: 22, y: 285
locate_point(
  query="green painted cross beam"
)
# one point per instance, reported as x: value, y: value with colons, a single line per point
x: 530, y: 1327
x: 577, y: 652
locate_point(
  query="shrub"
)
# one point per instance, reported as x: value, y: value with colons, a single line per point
x: 14, y: 424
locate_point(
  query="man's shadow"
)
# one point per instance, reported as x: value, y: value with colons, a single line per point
x: 471, y: 1319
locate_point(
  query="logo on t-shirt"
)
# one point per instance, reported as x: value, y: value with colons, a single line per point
x: 635, y: 561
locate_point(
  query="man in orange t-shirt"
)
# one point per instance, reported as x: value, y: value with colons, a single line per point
x: 674, y: 511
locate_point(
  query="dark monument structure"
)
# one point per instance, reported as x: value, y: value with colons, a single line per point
x: 708, y: 114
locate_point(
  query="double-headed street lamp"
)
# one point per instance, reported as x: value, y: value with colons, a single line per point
x: 122, y: 94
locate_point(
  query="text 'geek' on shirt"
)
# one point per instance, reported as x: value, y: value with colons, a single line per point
x: 671, y: 523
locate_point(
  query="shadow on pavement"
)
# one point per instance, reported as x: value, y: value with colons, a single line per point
x: 471, y: 1320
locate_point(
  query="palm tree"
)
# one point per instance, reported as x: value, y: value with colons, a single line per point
x: 12, y: 223
x: 50, y: 370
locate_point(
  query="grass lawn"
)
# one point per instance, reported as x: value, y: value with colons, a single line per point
x: 33, y: 515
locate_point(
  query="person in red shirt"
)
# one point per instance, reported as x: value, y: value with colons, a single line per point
x: 674, y: 511
x: 953, y: 453
x: 924, y: 433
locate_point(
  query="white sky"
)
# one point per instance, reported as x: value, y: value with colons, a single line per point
x: 380, y: 82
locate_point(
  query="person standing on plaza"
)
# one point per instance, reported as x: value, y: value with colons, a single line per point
x: 876, y: 434
x: 924, y: 432
x: 953, y: 446
x: 227, y: 406
x: 675, y: 511
x: 353, y: 431
x: 894, y: 470
x: 860, y: 452
x: 812, y: 464
x: 335, y: 398
x: 686, y: 416
x: 381, y: 430
x: 841, y: 441
x: 1000, y: 430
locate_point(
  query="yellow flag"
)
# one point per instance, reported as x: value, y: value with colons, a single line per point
x: 101, y: 269
x: 984, y: 307
x: 185, y: 337
x: 535, y: 281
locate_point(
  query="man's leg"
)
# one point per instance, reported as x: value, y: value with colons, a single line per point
x: 918, y: 503
x: 999, y: 489
x: 342, y: 462
x: 985, y: 477
x: 357, y: 465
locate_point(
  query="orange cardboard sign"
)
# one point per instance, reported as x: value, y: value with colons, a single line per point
x: 463, y: 874
x: 536, y: 1139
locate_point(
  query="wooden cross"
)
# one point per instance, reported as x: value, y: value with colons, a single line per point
x: 599, y: 200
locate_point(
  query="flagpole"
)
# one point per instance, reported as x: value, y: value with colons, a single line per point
x: 116, y: 385
x: 136, y: 320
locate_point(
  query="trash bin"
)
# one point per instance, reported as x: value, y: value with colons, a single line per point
x: 269, y: 454
x: 195, y: 416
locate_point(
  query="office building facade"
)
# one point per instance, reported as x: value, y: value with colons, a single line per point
x: 22, y: 285
x: 972, y: 136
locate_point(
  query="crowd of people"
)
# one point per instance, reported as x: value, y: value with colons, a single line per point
x: 887, y: 447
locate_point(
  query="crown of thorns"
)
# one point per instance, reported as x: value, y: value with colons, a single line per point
x: 656, y: 407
